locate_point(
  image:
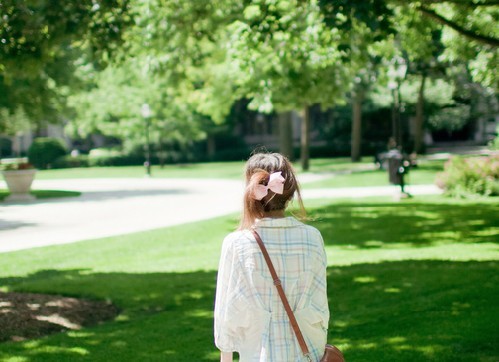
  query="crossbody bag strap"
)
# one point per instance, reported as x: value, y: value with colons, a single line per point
x: 280, y: 290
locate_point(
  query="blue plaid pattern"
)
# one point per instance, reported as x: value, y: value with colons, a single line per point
x: 249, y: 315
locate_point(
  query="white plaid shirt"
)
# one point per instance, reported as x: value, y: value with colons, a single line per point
x: 249, y: 315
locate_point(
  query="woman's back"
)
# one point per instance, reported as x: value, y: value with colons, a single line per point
x: 251, y: 310
x: 249, y: 315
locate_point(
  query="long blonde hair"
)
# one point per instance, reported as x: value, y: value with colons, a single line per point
x: 257, y: 171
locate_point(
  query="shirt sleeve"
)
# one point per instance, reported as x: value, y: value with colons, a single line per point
x: 319, y: 298
x: 229, y: 300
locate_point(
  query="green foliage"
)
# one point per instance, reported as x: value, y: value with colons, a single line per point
x: 45, y: 150
x: 494, y: 144
x: 44, y: 42
x: 477, y: 23
x: 470, y: 177
x: 286, y: 57
x: 68, y: 161
x: 342, y: 14
x: 112, y: 106
x: 449, y: 118
x: 12, y: 122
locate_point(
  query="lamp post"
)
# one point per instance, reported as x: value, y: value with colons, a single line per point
x: 146, y: 114
x: 396, y: 73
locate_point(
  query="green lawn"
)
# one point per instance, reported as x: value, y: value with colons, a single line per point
x: 230, y: 170
x: 408, y: 281
x: 424, y: 174
x: 44, y: 194
x: 337, y: 172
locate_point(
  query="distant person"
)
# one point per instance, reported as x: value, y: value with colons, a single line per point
x: 249, y: 316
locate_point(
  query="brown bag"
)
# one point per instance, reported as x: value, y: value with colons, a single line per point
x: 331, y: 353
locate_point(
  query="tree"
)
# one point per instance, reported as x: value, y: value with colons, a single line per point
x: 365, y: 26
x: 429, y: 41
x: 286, y: 60
x: 112, y: 106
x: 43, y: 41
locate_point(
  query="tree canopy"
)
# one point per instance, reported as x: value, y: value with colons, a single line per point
x: 192, y: 60
x: 43, y: 42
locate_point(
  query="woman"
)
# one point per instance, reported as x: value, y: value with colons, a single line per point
x: 249, y: 316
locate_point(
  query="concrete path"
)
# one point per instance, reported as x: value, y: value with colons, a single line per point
x: 119, y: 206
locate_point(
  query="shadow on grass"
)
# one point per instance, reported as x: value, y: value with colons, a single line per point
x: 44, y: 194
x: 414, y: 224
x: 392, y: 311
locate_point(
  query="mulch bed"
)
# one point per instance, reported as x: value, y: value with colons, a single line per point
x: 27, y: 315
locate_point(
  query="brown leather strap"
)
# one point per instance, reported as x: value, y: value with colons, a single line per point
x: 280, y: 290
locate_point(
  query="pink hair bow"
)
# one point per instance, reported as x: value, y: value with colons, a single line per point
x: 275, y: 184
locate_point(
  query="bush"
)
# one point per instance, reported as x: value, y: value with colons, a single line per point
x: 120, y: 160
x: 45, y: 150
x: 69, y: 161
x: 470, y: 177
x: 104, y: 157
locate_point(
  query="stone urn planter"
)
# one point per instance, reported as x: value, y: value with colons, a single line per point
x: 19, y: 183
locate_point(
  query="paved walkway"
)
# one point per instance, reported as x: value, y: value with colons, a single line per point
x: 119, y: 206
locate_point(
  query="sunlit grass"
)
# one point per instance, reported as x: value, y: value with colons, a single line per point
x: 408, y: 281
x: 229, y: 170
x: 424, y: 174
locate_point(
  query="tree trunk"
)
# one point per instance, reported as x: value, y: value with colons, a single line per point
x: 357, y: 98
x: 418, y: 132
x: 285, y: 134
x: 305, y: 139
x: 210, y: 146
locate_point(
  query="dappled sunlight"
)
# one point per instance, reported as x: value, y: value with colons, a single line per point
x: 412, y: 310
x: 59, y: 320
x: 394, y: 293
x: 80, y: 334
x: 373, y: 243
x: 406, y: 225
x: 364, y: 279
x: 396, y: 340
x: 387, y: 308
x: 29, y: 315
x: 163, y: 312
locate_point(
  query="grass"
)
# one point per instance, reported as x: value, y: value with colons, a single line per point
x: 44, y: 194
x: 228, y: 170
x: 424, y: 174
x: 408, y: 281
x: 337, y: 172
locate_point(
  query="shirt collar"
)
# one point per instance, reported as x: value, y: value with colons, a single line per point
x: 281, y: 222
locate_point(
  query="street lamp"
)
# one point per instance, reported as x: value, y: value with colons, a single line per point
x: 146, y: 114
x: 396, y: 73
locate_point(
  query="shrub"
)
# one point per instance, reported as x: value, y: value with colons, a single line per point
x: 120, y: 160
x: 45, y: 150
x: 470, y: 177
x: 104, y: 152
x: 68, y: 161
